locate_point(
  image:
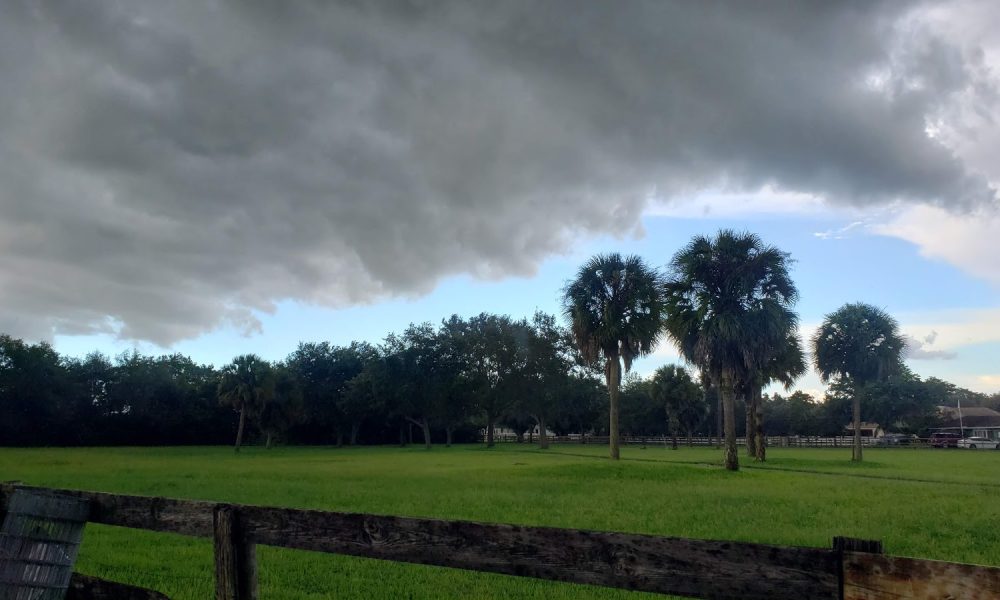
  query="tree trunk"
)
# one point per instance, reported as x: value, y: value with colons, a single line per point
x: 761, y: 441
x: 543, y: 438
x: 674, y: 426
x: 489, y: 431
x: 447, y: 435
x: 239, y: 430
x: 690, y: 442
x: 340, y: 438
x: 728, y: 395
x: 751, y: 404
x: 402, y: 434
x: 857, y: 425
x: 355, y: 426
x: 427, y: 433
x: 614, y: 380
x: 531, y: 435
x: 719, y: 412
x: 267, y: 445
x: 409, y: 433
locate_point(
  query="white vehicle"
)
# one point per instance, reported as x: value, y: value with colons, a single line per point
x: 979, y: 442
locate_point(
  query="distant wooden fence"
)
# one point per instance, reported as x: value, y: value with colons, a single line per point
x: 850, y: 570
x: 773, y: 441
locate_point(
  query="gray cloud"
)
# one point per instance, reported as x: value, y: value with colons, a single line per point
x: 170, y: 167
x: 919, y: 349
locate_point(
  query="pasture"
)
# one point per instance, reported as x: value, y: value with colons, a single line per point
x: 940, y: 504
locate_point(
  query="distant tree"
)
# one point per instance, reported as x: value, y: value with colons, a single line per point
x: 579, y: 408
x: 682, y: 398
x: 729, y: 305
x: 782, y: 363
x: 859, y: 344
x: 615, y: 307
x: 32, y: 380
x: 548, y: 370
x: 284, y: 408
x: 497, y: 347
x: 323, y: 371
x: 642, y: 414
x: 454, y: 381
x: 246, y: 385
x: 358, y: 401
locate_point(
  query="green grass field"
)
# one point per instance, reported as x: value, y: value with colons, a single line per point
x: 942, y: 504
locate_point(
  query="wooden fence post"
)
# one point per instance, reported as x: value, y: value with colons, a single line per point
x: 235, y: 558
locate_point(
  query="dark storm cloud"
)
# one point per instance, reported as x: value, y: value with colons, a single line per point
x: 168, y: 167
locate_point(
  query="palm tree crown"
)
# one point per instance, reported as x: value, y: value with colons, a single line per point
x: 859, y: 342
x: 615, y: 306
x: 727, y: 295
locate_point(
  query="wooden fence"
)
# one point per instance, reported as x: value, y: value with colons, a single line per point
x: 773, y: 441
x: 849, y: 570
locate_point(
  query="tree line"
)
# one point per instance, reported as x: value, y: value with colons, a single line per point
x: 726, y: 302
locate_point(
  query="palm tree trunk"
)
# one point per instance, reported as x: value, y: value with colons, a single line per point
x: 761, y: 441
x: 489, y: 431
x: 728, y: 394
x: 402, y: 434
x: 614, y: 380
x: 267, y: 444
x: 340, y: 438
x: 239, y: 430
x: 543, y: 439
x: 447, y: 435
x: 719, y: 412
x: 857, y: 426
x: 751, y: 443
x: 355, y: 426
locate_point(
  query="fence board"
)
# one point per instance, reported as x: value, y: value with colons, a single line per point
x: 701, y: 568
x: 878, y: 577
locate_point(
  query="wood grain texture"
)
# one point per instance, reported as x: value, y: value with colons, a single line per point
x: 880, y: 577
x: 699, y: 568
x: 235, y: 558
x: 85, y: 587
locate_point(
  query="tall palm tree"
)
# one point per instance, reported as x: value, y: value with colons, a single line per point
x: 729, y: 299
x: 246, y: 385
x: 615, y: 307
x: 859, y: 344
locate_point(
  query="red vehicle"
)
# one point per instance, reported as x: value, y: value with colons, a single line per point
x: 943, y: 439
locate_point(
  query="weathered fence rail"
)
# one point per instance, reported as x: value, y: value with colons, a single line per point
x: 666, y: 565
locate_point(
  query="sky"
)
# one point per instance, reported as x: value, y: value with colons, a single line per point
x: 216, y: 178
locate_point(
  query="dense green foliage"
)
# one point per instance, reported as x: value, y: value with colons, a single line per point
x: 930, y: 503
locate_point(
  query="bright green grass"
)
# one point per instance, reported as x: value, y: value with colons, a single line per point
x: 942, y: 504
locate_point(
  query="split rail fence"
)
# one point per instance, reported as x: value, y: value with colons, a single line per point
x: 849, y: 570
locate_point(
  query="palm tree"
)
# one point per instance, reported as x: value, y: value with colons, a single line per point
x: 729, y: 305
x: 246, y: 385
x: 859, y: 344
x: 783, y: 365
x: 615, y: 307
